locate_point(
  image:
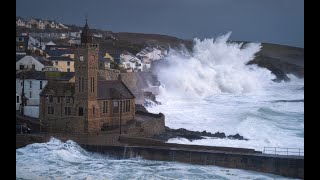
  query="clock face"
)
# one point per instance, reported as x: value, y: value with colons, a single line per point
x: 81, y: 58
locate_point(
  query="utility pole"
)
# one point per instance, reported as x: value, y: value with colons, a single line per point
x: 120, y: 79
x: 120, y: 110
x: 22, y: 95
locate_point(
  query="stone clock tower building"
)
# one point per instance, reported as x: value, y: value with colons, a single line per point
x: 89, y: 104
x: 86, y: 66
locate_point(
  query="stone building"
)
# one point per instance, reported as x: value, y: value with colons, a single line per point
x: 90, y: 104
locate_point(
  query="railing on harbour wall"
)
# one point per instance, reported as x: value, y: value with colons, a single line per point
x: 283, y: 151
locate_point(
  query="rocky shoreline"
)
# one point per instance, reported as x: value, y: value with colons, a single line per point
x: 187, y: 134
x: 194, y: 135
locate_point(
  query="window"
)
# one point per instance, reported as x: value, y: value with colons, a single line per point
x: 127, y: 105
x: 21, y: 67
x: 68, y: 63
x: 33, y: 66
x: 68, y: 69
x: 116, y: 106
x: 30, y: 94
x: 21, y: 83
x: 79, y: 84
x: 50, y: 110
x: 30, y: 84
x: 123, y: 106
x: 82, y: 84
x: 80, y: 111
x: 105, y: 107
x: 58, y: 99
x: 92, y: 84
x: 67, y: 110
x: 56, y: 63
x: 50, y: 98
x: 93, y: 110
x: 40, y: 84
x: 18, y: 100
x: 68, y: 99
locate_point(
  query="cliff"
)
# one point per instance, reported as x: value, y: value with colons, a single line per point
x: 279, y: 59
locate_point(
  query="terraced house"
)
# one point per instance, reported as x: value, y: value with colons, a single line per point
x: 90, y: 104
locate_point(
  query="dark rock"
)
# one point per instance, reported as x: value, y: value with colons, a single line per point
x: 193, y: 135
x: 219, y: 135
x: 280, y: 75
x: 280, y: 60
x: 237, y: 136
x: 149, y: 95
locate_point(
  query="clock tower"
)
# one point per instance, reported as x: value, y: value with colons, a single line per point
x: 86, y: 66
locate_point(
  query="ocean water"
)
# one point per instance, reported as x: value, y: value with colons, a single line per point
x: 58, y: 160
x: 212, y: 89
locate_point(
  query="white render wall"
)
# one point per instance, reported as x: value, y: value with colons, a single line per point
x: 35, y: 90
x: 32, y: 111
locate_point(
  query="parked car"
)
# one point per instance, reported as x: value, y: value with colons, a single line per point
x: 22, y: 129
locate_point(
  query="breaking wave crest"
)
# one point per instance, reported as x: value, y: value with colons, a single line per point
x: 214, y: 66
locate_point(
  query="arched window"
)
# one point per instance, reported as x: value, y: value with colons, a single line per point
x: 80, y: 111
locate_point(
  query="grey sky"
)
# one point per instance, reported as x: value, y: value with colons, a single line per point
x: 273, y: 21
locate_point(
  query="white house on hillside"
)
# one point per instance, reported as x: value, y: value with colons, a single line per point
x: 33, y: 23
x: 35, y: 63
x: 75, y: 34
x: 149, y: 54
x: 44, y: 44
x: 74, y: 41
x: 130, y: 62
x: 34, y: 82
x: 20, y: 21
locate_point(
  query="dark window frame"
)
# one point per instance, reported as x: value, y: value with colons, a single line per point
x: 80, y: 111
x: 50, y: 99
x: 105, y: 106
x: 21, y: 67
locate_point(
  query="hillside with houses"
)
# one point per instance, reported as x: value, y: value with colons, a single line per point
x: 45, y: 51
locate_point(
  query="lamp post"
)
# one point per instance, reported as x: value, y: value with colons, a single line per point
x: 120, y: 111
x: 22, y: 95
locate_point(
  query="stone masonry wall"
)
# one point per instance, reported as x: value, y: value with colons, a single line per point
x: 152, y: 124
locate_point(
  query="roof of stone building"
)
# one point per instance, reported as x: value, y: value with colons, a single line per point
x: 40, y: 75
x: 32, y: 74
x: 58, y: 88
x: 113, y: 89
